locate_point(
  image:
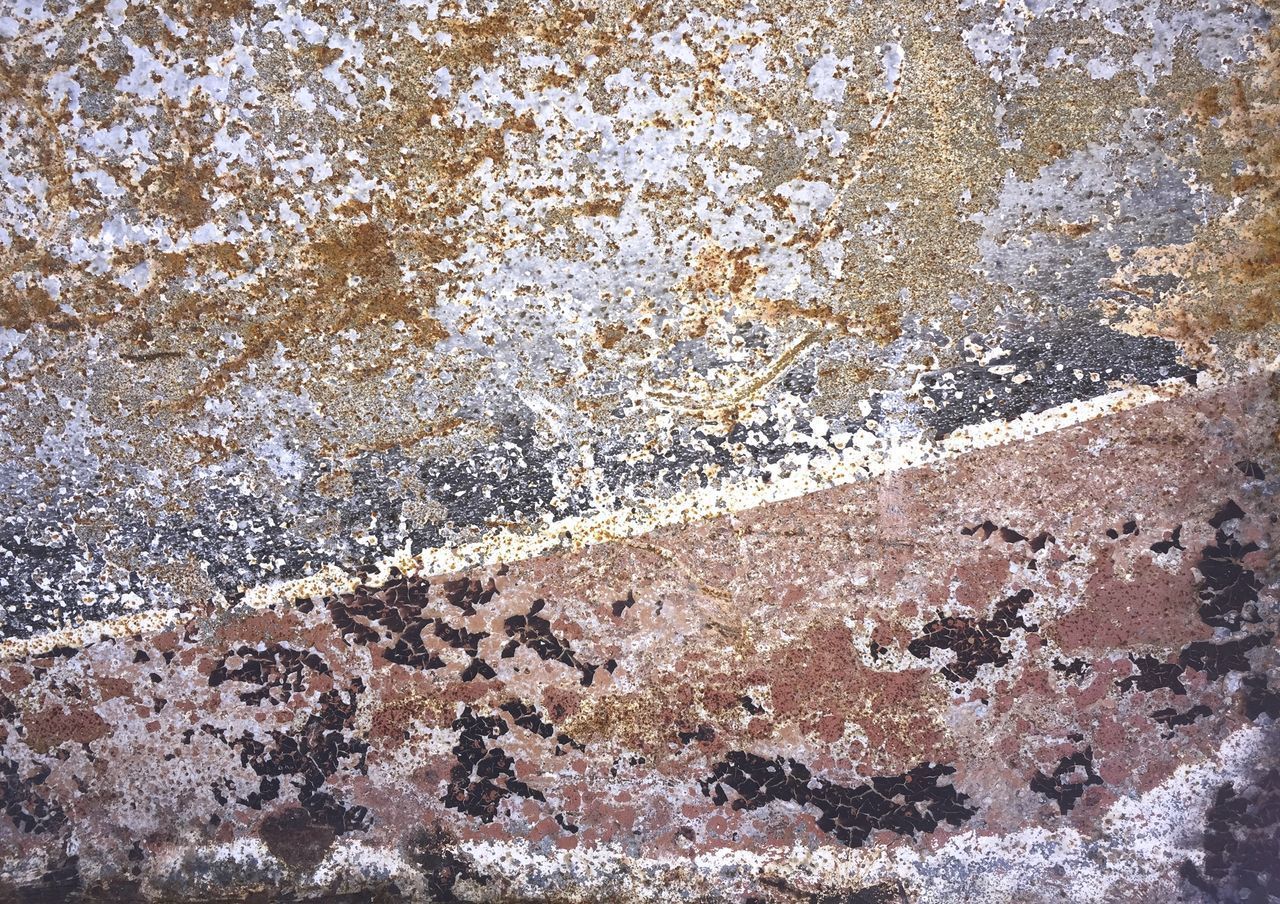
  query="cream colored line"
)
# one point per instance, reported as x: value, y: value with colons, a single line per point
x: 865, y: 457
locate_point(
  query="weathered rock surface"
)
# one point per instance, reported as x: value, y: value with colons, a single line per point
x: 538, y: 452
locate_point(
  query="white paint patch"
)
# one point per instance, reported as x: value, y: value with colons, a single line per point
x: 824, y: 84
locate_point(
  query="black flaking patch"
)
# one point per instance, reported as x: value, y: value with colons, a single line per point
x: 1068, y: 781
x: 916, y: 801
x: 975, y: 642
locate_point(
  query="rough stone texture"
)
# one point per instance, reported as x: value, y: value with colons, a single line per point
x: 548, y: 451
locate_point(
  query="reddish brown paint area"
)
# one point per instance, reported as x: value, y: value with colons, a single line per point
x: 778, y: 632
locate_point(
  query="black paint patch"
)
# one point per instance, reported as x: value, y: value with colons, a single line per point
x: 1251, y: 470
x: 1241, y: 828
x: 975, y: 642
x: 527, y: 717
x: 310, y: 754
x: 1153, y: 674
x: 1229, y: 512
x: 1075, y: 668
x: 276, y: 667
x: 401, y: 618
x: 1218, y: 659
x: 1008, y: 535
x: 1069, y: 779
x: 621, y: 606
x: 1228, y: 591
x: 1174, y: 542
x: 468, y: 593
x: 533, y: 631
x: 1259, y: 699
x: 483, y: 776
x: 916, y: 801
x: 23, y: 803
x: 1171, y: 718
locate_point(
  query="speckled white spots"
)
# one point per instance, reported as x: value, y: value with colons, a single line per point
x: 137, y: 277
x: 824, y: 83
x: 305, y: 100
x: 891, y: 62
